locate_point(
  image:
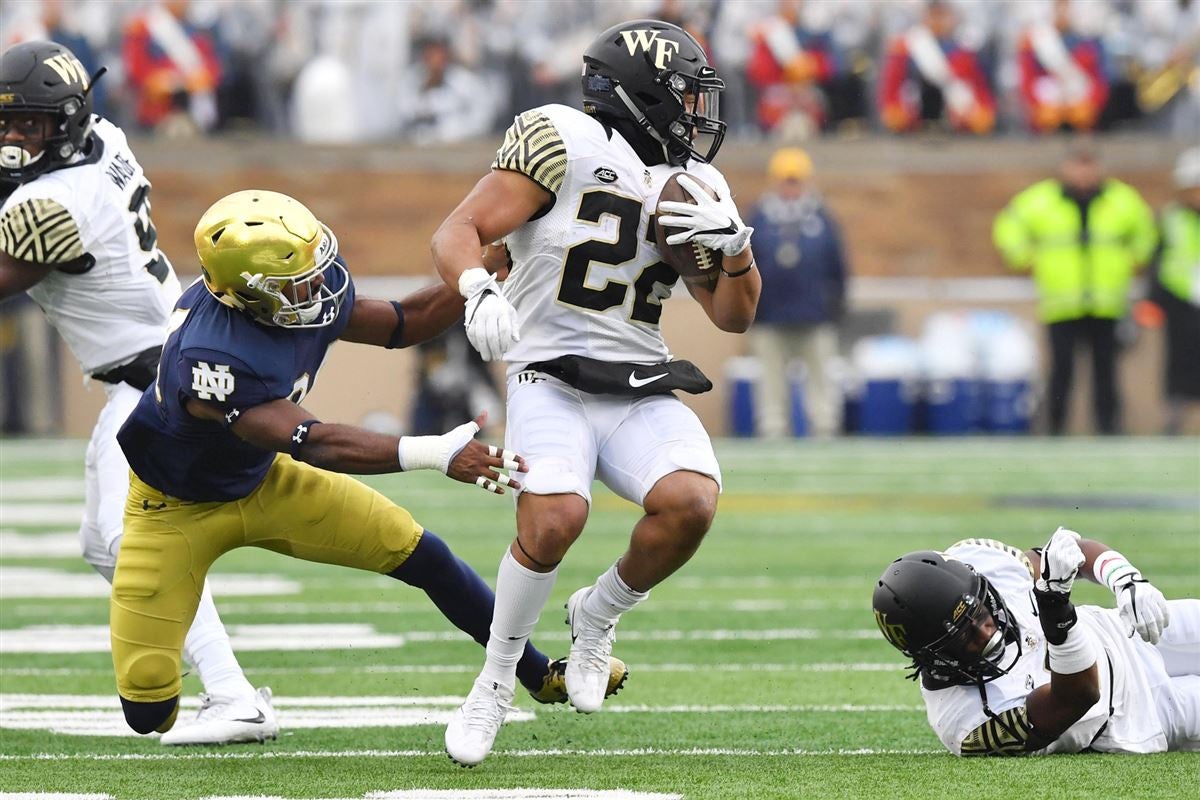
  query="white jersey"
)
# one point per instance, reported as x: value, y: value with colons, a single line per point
x: 93, y: 215
x: 587, y: 279
x: 1124, y: 720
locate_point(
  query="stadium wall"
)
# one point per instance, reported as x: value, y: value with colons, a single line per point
x: 916, y: 216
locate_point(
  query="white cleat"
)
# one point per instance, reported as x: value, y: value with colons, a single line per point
x: 587, y: 670
x: 473, y: 728
x: 227, y: 720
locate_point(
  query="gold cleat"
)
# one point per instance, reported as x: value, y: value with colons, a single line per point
x: 554, y: 685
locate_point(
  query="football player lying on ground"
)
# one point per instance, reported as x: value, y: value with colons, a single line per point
x: 76, y: 234
x: 223, y: 455
x: 1008, y: 665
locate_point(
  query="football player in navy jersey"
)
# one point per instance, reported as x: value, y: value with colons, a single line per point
x: 224, y: 455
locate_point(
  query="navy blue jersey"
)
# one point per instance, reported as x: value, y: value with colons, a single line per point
x: 219, y: 355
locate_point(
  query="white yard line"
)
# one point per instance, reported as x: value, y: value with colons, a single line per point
x: 266, y: 755
x: 95, y: 638
x: 22, y: 490
x: 56, y: 544
x: 531, y: 793
x: 461, y: 669
x: 42, y: 582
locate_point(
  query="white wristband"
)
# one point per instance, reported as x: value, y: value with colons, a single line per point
x: 1114, y: 570
x: 434, y: 452
x: 470, y: 281
x: 1076, y: 654
x: 422, y: 452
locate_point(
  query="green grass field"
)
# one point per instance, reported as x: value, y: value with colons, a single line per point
x: 757, y: 671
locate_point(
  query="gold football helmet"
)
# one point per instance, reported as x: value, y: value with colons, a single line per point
x: 265, y: 254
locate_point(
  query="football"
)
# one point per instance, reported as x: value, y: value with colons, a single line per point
x: 694, y: 262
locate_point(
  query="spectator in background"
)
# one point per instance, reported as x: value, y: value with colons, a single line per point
x: 174, y: 68
x: 1083, y: 235
x: 1065, y: 77
x: 795, y: 66
x: 1167, y: 44
x: 1176, y: 290
x: 929, y: 76
x: 447, y: 102
x: 799, y: 252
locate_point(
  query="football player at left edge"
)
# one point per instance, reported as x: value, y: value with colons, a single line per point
x: 76, y: 234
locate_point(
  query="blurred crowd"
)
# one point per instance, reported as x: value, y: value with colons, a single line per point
x: 446, y: 70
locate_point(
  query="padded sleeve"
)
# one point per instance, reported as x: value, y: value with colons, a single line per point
x: 40, y: 230
x: 1006, y: 734
x: 533, y: 147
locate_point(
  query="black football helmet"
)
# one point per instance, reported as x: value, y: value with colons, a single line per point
x: 927, y: 607
x: 657, y: 76
x: 45, y: 77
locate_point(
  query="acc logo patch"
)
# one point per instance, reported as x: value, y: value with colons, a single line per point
x: 212, y: 382
x: 605, y: 174
x: 958, y: 610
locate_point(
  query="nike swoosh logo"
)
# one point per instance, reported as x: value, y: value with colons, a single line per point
x: 254, y: 720
x: 637, y: 382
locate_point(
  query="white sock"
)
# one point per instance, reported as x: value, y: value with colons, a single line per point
x: 611, y: 597
x: 207, y: 648
x: 520, y: 596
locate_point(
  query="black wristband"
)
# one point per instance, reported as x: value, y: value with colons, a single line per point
x: 398, y: 333
x: 300, y: 435
x: 1057, y: 615
x: 740, y: 272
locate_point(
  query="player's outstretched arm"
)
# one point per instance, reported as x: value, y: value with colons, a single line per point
x: 16, y: 275
x: 284, y: 427
x: 1141, y: 605
x: 419, y: 317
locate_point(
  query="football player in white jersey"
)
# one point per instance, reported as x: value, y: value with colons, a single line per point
x: 1008, y: 665
x: 589, y: 376
x: 76, y: 235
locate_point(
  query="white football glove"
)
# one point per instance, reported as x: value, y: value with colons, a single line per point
x: 1061, y: 560
x: 712, y: 223
x: 1144, y: 609
x: 491, y: 321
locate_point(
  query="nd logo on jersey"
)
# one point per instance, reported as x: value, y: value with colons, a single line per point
x: 642, y: 40
x: 209, y: 382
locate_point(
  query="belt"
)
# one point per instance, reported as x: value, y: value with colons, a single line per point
x: 138, y: 373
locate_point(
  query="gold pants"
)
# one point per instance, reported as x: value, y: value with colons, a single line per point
x: 169, y: 545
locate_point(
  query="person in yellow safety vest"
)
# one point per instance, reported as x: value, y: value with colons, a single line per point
x: 1083, y: 235
x: 1174, y: 294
